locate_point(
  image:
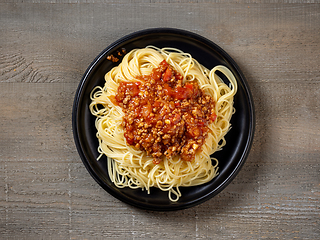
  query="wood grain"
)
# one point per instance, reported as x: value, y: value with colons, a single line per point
x: 45, y: 190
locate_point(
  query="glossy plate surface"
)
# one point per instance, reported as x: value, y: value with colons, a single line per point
x: 239, y: 138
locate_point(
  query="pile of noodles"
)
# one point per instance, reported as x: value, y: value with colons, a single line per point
x: 131, y: 167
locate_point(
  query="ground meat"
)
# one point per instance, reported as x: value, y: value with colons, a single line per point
x: 163, y: 115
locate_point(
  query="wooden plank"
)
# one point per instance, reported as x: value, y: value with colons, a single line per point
x: 270, y: 44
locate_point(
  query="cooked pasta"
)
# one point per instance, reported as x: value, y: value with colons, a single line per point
x: 132, y: 164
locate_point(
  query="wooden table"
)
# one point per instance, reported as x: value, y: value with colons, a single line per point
x: 45, y: 190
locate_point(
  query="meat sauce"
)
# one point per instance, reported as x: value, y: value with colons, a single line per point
x: 163, y: 115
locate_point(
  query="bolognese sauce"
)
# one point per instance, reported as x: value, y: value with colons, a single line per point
x: 163, y: 115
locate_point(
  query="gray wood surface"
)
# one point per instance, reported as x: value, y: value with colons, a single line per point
x: 45, y: 190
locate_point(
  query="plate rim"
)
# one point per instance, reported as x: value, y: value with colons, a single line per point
x: 203, y: 40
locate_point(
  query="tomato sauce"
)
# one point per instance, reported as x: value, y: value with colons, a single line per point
x: 163, y: 115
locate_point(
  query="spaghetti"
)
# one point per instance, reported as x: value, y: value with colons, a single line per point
x: 135, y: 165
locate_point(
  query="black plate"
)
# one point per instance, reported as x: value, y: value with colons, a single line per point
x: 231, y: 158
